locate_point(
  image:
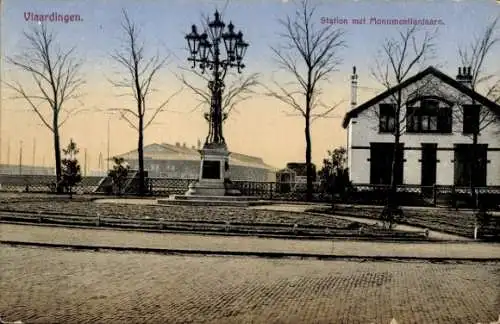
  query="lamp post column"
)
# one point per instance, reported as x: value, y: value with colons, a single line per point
x: 205, y: 50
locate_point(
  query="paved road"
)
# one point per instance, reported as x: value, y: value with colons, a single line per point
x: 57, y: 286
x: 60, y: 235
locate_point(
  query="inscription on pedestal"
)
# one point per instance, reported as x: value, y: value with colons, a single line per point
x: 211, y: 170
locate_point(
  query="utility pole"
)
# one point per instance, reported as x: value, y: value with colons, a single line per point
x: 107, y: 161
x: 8, y: 151
x: 21, y: 157
x: 100, y: 162
x: 85, y: 164
x: 34, y: 151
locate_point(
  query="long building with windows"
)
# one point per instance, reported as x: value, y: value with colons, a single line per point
x: 180, y: 161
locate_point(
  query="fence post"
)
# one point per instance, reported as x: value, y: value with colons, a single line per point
x: 453, y: 197
x: 434, y: 195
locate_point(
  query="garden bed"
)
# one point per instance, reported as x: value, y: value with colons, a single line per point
x: 234, y: 220
x: 439, y: 219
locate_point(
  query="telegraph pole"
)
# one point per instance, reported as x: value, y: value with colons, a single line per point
x: 8, y: 151
x: 21, y: 157
x: 107, y: 161
x: 34, y: 151
x: 85, y: 164
x: 100, y: 162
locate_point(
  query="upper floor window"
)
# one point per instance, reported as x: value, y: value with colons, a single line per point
x: 387, y: 118
x: 428, y: 118
x: 471, y: 119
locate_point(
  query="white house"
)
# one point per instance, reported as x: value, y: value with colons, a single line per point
x: 436, y: 121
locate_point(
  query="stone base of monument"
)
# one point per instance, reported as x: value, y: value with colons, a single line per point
x: 213, y: 187
x: 198, y: 200
x: 206, y: 188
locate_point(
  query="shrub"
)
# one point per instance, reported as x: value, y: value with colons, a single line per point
x: 118, y: 174
x: 71, y: 174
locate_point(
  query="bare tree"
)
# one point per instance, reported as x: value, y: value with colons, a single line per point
x: 310, y: 55
x: 474, y: 58
x: 241, y: 89
x: 56, y: 81
x: 399, y: 58
x: 140, y: 72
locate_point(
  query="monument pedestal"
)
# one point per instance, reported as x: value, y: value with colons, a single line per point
x: 214, y: 173
x: 213, y: 187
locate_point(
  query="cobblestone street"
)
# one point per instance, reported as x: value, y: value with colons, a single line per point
x: 56, y: 286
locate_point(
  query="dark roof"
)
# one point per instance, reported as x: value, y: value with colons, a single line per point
x: 417, y: 77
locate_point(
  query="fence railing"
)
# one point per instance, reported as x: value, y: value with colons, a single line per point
x: 359, y: 193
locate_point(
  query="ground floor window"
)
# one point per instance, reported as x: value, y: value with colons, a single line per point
x: 381, y: 157
x: 466, y: 171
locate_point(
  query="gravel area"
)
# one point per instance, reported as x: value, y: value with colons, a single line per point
x: 55, y: 286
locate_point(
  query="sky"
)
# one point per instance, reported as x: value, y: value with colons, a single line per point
x: 260, y: 126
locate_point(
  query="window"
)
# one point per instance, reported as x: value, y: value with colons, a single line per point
x: 387, y: 118
x: 428, y: 118
x: 381, y: 156
x: 466, y: 171
x: 444, y: 120
x: 471, y: 119
x: 429, y: 114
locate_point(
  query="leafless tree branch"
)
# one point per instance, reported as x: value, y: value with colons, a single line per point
x: 57, y: 80
x: 476, y: 55
x: 241, y: 89
x: 161, y: 107
x: 399, y: 58
x: 310, y: 55
x: 141, y: 71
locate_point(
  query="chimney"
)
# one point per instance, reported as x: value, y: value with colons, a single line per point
x: 193, y: 147
x: 459, y: 75
x: 177, y: 144
x: 198, y: 144
x: 354, y: 87
x: 184, y: 145
x: 465, y: 76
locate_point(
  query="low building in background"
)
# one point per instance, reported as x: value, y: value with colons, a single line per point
x: 183, y: 162
x: 294, y: 177
x: 12, y: 169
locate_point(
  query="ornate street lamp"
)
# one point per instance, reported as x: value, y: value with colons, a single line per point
x: 205, y: 54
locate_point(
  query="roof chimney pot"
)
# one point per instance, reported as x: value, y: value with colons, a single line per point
x: 354, y: 87
x: 464, y: 76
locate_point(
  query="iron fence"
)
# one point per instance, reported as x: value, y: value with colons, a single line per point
x: 359, y: 193
x: 168, y: 186
x: 43, y: 183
